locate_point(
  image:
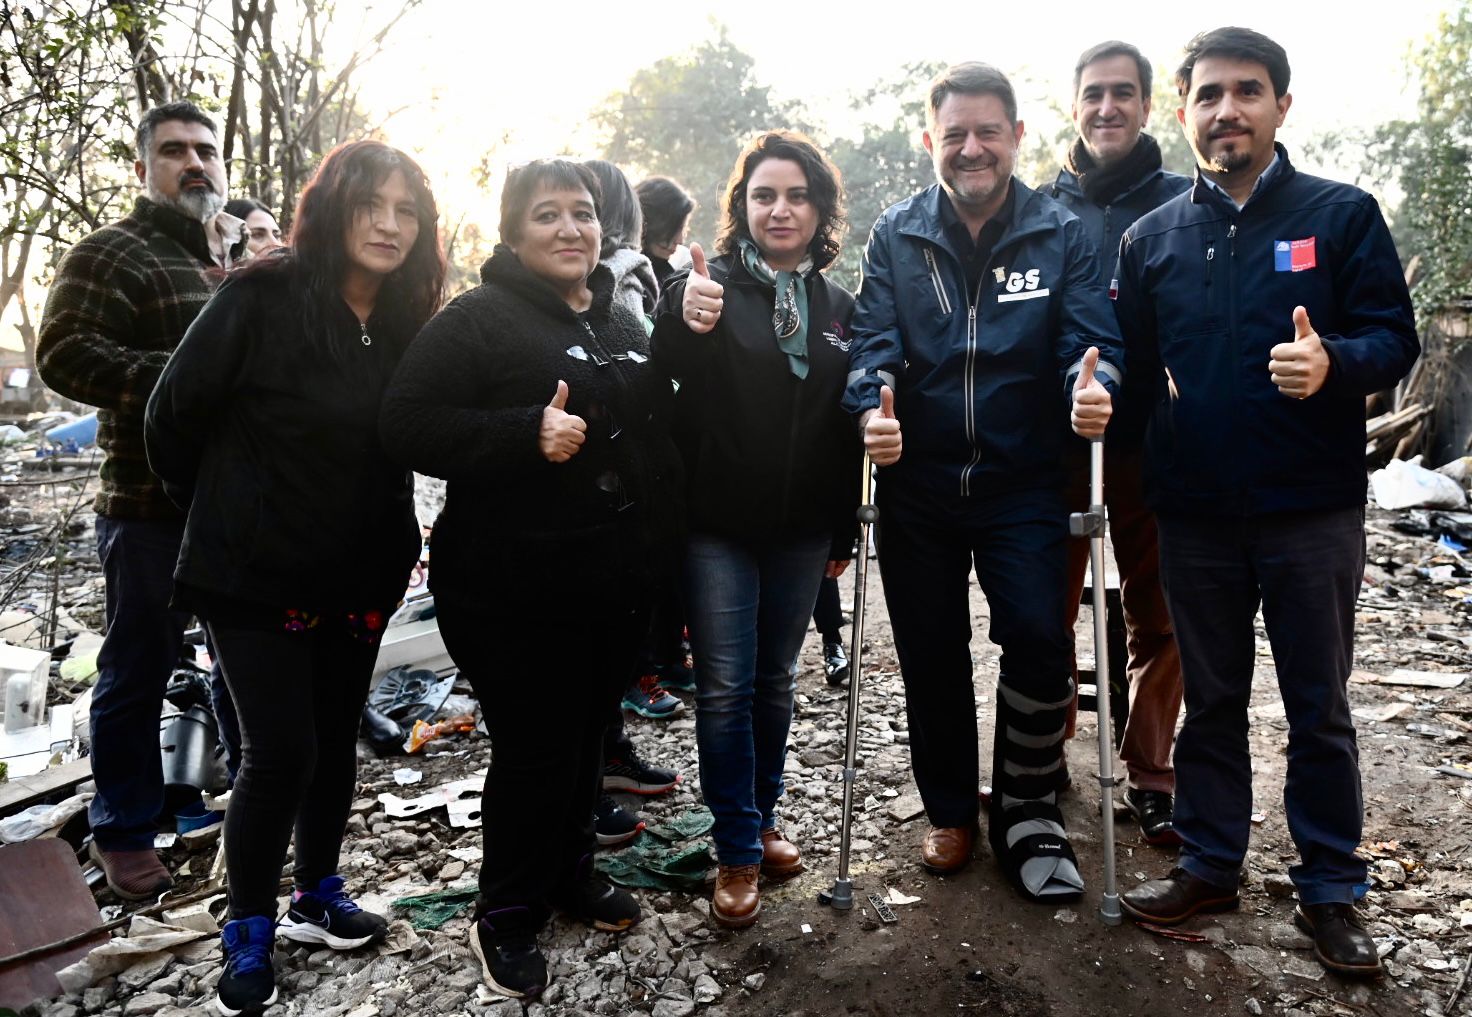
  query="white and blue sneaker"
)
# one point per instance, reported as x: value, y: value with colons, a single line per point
x: 249, y: 982
x: 327, y: 917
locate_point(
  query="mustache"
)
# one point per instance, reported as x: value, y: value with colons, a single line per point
x: 192, y: 176
x: 1222, y: 132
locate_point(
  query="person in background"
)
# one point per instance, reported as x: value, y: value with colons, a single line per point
x: 828, y: 618
x: 300, y: 531
x: 122, y: 300
x: 535, y: 396
x: 667, y: 208
x: 1112, y: 175
x: 262, y: 235
x: 758, y: 340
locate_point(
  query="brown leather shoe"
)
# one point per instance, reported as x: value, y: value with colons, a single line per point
x: 133, y: 875
x: 1175, y: 898
x: 780, y: 857
x: 736, y: 901
x: 947, y: 849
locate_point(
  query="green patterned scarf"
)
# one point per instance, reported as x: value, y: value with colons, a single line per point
x: 789, y: 309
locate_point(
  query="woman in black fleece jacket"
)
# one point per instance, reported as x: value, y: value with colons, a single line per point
x: 535, y: 397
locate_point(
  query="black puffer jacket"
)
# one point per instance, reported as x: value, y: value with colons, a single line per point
x: 273, y: 449
x: 466, y: 405
x: 768, y: 456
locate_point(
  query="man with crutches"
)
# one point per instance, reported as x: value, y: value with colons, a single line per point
x: 980, y: 321
x: 1111, y: 176
x: 1262, y: 306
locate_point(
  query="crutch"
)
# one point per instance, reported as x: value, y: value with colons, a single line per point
x: 841, y: 897
x: 1090, y: 524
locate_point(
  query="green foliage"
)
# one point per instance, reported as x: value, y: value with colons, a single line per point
x: 686, y: 117
x: 1175, y: 152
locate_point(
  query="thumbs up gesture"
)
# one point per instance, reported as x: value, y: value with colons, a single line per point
x: 701, y: 308
x: 562, y: 433
x: 1092, y: 406
x: 1300, y: 367
x: 882, y: 438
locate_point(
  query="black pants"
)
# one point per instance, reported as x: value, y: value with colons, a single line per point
x: 928, y: 544
x: 546, y: 682
x: 828, y: 613
x: 299, y: 699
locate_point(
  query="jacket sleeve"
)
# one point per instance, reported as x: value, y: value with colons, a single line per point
x: 679, y: 352
x: 1377, y: 343
x: 435, y: 417
x: 83, y: 348
x: 1084, y: 317
x: 877, y: 356
x: 1135, y: 314
x: 193, y: 390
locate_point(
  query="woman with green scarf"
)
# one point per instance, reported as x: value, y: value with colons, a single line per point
x: 758, y: 339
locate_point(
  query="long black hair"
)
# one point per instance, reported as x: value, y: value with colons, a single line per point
x: 666, y: 206
x: 618, y: 213
x: 344, y: 183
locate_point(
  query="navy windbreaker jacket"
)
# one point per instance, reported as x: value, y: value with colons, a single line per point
x: 1206, y: 291
x: 1105, y: 225
x: 981, y: 379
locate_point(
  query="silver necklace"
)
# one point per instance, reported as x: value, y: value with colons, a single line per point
x: 366, y: 339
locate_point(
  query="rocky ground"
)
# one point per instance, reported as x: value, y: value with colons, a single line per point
x: 965, y: 943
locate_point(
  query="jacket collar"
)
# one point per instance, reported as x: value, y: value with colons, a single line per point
x: 1068, y: 183
x: 1203, y: 193
x: 920, y: 216
x: 186, y: 232
x: 504, y: 268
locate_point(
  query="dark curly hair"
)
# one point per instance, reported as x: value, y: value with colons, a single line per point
x: 825, y: 190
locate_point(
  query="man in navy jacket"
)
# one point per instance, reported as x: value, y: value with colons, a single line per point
x: 1262, y: 307
x: 981, y: 315
x: 1112, y: 175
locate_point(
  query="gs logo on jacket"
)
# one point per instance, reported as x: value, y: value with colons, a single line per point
x: 981, y: 377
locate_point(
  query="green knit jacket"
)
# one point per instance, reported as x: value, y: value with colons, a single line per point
x: 122, y: 300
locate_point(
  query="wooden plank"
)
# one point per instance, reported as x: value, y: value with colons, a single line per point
x: 46, y: 899
x: 21, y: 792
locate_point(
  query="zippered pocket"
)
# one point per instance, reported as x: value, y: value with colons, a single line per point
x: 940, y: 289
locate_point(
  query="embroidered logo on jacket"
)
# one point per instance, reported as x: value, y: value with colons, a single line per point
x: 1023, y: 286
x: 1294, y: 255
x: 834, y: 335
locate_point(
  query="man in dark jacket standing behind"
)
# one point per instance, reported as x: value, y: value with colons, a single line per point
x: 980, y: 317
x: 1112, y: 175
x: 1262, y: 307
x: 122, y: 300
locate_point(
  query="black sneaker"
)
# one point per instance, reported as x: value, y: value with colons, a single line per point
x: 1155, y: 811
x: 614, y: 825
x: 510, y: 962
x: 679, y: 677
x: 249, y: 983
x: 835, y: 661
x: 647, y: 699
x: 326, y: 916
x: 630, y: 773
x: 599, y: 903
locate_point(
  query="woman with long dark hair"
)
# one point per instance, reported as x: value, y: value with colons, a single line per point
x: 534, y: 395
x: 758, y: 340
x: 301, y: 532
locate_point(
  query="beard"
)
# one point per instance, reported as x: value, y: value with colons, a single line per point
x: 1231, y: 160
x: 970, y: 193
x: 193, y: 203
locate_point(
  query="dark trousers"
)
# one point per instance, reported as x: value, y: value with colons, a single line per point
x: 226, y: 723
x: 928, y: 544
x: 1154, y: 664
x: 546, y: 754
x: 299, y: 699
x: 828, y: 612
x: 138, y: 655
x: 1305, y: 570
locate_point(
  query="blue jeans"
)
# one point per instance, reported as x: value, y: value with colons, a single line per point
x: 1304, y: 569
x: 748, y: 607
x: 139, y: 652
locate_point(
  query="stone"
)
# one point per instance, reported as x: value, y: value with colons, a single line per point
x: 755, y: 981
x: 62, y: 1010
x: 1253, y: 1007
x: 707, y: 990
x: 451, y: 871
x: 144, y: 971
x: 674, y: 1008
x: 398, y: 842
x: 146, y: 1003
x: 1286, y: 936
x: 905, y: 808
x: 1278, y: 885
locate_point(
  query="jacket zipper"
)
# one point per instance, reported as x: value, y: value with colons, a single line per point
x: 970, y: 386
x: 623, y: 386
x: 940, y: 290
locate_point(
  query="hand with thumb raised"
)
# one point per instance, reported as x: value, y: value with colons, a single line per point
x: 703, y: 301
x: 1299, y: 368
x: 562, y: 433
x: 1092, y: 406
x: 882, y: 438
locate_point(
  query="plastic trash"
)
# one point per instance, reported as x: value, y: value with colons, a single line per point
x: 1407, y: 484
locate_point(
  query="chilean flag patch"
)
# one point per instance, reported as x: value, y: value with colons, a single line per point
x: 1113, y: 289
x: 1294, y: 255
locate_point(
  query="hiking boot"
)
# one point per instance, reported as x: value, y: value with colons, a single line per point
x: 510, y: 962
x: 630, y: 773
x: 613, y: 825
x: 325, y: 915
x: 835, y: 661
x: 647, y: 699
x: 132, y: 875
x: 598, y: 903
x: 736, y: 901
x: 1341, y: 943
x: 678, y: 677
x: 780, y: 857
x: 249, y: 983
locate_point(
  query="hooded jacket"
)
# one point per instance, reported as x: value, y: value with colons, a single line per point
x: 981, y: 379
x: 466, y: 405
x: 1207, y: 290
x: 769, y: 456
